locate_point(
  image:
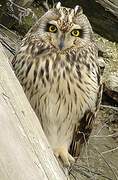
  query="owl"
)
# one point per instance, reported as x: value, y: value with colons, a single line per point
x: 57, y: 66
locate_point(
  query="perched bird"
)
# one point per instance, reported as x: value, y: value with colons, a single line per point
x: 57, y: 66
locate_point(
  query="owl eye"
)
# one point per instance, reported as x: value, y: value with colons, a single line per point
x: 52, y: 28
x: 75, y: 33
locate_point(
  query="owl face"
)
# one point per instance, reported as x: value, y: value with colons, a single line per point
x: 64, y: 28
x: 63, y: 37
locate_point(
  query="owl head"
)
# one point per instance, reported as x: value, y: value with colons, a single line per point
x: 63, y: 28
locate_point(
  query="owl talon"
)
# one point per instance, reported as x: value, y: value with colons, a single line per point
x: 62, y: 152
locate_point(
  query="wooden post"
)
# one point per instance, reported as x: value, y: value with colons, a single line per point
x: 24, y: 151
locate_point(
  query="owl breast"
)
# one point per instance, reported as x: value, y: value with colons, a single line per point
x: 60, y: 88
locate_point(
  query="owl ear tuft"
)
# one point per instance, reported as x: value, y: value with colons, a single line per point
x: 78, y: 9
x: 58, y: 5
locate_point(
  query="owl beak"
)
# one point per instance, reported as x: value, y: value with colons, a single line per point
x: 61, y: 43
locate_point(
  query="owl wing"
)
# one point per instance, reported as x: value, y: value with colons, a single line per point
x: 83, y: 129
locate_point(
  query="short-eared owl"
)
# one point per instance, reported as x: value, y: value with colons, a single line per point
x: 57, y: 66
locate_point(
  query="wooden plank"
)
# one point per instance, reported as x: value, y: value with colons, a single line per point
x: 111, y: 6
x: 24, y: 151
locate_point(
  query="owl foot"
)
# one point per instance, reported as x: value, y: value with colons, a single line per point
x: 63, y: 153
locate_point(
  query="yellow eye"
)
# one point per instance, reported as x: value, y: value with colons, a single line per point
x: 75, y: 32
x: 52, y: 28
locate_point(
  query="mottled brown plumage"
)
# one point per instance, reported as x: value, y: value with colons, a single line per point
x: 57, y: 65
